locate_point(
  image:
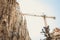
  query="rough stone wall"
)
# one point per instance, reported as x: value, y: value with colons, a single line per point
x: 12, y: 25
x: 55, y: 34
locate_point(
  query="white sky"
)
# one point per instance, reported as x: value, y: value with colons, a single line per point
x: 35, y: 24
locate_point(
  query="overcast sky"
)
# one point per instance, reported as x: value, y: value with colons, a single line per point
x: 38, y: 7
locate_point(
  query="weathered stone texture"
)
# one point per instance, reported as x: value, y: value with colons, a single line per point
x: 55, y: 34
x: 12, y: 25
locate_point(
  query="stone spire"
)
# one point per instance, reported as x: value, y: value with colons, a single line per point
x: 12, y: 25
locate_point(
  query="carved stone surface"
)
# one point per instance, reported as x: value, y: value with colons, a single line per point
x: 12, y: 24
x: 56, y: 34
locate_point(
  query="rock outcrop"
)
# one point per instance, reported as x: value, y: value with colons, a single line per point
x: 12, y: 24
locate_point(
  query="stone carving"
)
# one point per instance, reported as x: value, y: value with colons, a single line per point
x: 12, y: 25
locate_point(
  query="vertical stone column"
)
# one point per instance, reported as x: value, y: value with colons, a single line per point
x: 12, y: 25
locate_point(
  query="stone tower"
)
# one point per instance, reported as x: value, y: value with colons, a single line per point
x: 12, y: 25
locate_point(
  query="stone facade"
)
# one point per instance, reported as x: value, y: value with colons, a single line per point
x: 55, y: 34
x: 12, y: 24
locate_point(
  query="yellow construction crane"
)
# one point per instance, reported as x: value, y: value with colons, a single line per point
x: 46, y: 28
x: 44, y: 17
